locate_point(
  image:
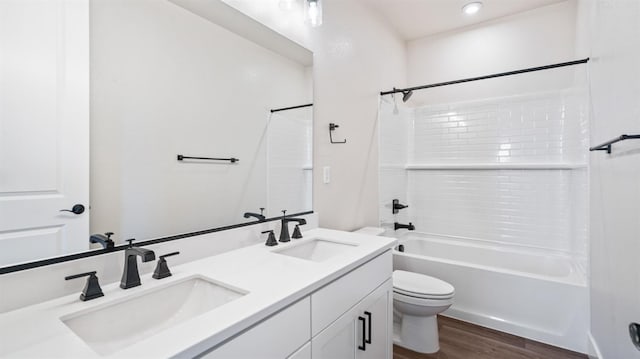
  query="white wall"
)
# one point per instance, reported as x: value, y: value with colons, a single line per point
x: 615, y: 178
x: 356, y: 55
x: 165, y: 81
x: 533, y: 38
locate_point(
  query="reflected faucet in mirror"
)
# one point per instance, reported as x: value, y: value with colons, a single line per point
x: 260, y: 217
x: 104, y: 240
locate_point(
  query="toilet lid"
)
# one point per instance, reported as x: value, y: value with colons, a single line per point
x: 420, y: 285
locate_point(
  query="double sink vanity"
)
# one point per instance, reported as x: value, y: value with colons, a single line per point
x: 327, y: 295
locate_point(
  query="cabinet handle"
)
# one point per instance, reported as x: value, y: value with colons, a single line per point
x: 363, y: 347
x: 368, y: 314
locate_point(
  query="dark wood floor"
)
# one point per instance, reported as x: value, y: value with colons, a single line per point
x: 462, y: 340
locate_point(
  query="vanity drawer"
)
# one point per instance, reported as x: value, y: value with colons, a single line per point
x: 276, y: 337
x: 336, y: 298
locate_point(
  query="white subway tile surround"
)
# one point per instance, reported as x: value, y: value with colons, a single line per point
x: 541, y: 128
x: 509, y: 169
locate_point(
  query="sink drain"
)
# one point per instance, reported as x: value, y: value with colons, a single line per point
x: 634, y: 333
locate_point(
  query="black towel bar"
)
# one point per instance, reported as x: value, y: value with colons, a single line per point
x: 232, y: 160
x: 607, y: 145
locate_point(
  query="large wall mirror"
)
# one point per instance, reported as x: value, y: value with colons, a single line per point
x: 99, y: 97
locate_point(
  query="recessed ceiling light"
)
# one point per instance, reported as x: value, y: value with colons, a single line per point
x: 472, y: 7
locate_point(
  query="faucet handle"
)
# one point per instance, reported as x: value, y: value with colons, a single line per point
x: 296, y: 232
x: 169, y: 254
x: 162, y: 269
x: 108, y: 234
x: 130, y: 242
x: 92, y: 289
x: 271, y: 241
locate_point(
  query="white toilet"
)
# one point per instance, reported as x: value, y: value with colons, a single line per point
x: 417, y: 299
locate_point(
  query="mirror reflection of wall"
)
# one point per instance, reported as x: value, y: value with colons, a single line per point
x: 163, y: 81
x: 166, y: 82
x: 289, y: 163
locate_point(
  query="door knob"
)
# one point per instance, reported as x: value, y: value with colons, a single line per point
x: 77, y: 209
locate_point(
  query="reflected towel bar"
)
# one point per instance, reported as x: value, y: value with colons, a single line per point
x: 290, y: 108
x: 607, y: 145
x: 232, y: 160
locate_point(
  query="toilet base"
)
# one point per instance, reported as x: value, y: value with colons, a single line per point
x: 419, y: 334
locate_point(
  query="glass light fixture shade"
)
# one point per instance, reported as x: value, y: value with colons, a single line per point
x: 472, y: 7
x: 313, y: 12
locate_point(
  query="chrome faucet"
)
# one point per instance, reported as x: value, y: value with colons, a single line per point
x: 130, y: 275
x: 284, y: 230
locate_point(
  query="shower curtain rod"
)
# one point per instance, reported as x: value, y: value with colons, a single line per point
x: 290, y: 108
x: 516, y: 72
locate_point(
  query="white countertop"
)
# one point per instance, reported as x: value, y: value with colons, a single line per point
x: 273, y: 281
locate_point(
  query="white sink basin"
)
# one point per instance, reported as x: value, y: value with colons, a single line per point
x: 125, y: 322
x: 316, y: 250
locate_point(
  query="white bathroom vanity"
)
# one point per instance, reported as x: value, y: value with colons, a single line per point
x: 327, y: 295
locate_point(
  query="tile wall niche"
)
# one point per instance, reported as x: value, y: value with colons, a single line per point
x: 510, y: 169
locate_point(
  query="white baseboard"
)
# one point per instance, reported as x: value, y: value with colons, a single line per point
x: 593, y: 350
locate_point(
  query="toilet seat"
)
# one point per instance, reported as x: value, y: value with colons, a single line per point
x: 420, y: 286
x: 422, y: 302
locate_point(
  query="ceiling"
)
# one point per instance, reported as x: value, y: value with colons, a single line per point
x: 417, y: 18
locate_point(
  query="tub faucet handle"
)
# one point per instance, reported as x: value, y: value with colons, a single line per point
x: 396, y: 206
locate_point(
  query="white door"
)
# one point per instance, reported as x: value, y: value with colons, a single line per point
x: 44, y: 128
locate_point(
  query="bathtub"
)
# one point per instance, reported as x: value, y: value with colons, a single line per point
x: 533, y: 293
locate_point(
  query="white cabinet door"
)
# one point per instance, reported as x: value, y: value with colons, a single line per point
x: 336, y: 341
x: 362, y: 332
x: 44, y: 128
x: 377, y: 310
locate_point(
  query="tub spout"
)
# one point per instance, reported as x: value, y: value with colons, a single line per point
x: 409, y: 226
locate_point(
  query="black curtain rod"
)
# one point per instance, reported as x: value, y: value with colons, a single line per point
x: 290, y: 108
x: 531, y: 69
